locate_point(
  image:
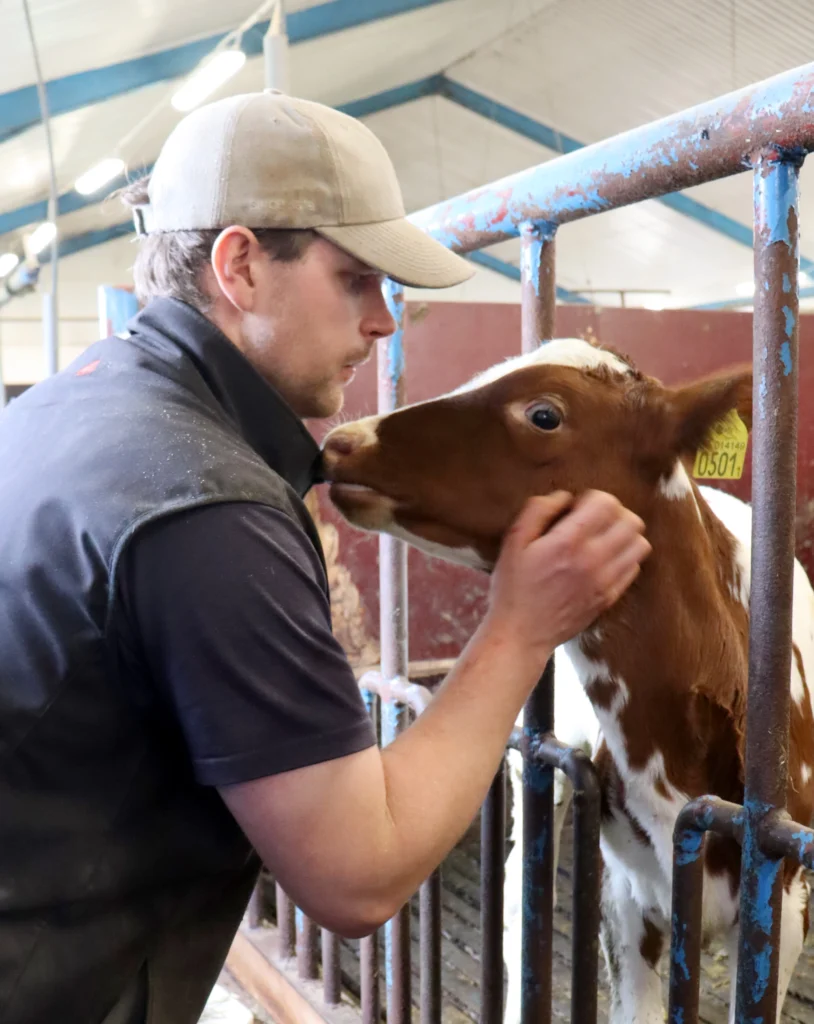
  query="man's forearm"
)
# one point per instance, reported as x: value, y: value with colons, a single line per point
x: 352, y: 839
x: 438, y: 772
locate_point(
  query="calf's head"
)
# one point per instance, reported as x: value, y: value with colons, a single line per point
x: 450, y: 475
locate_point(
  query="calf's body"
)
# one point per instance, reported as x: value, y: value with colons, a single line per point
x: 665, y: 669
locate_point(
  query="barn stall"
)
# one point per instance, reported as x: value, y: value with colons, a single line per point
x: 448, y: 601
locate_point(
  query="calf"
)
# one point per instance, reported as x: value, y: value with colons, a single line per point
x: 665, y: 669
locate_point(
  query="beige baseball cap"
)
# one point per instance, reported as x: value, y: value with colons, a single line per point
x: 269, y: 160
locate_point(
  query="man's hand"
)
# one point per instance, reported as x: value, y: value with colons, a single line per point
x: 552, y: 581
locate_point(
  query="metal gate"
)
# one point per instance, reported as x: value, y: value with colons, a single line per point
x: 767, y: 128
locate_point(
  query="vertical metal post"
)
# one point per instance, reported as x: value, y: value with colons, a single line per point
x: 587, y: 884
x: 492, y: 861
x: 369, y: 946
x: 430, y: 909
x: 538, y: 312
x: 774, y: 462
x: 538, y: 285
x: 285, y: 923
x: 307, y: 938
x: 331, y: 975
x: 393, y: 639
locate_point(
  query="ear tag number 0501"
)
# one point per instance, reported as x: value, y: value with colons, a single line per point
x: 724, y: 454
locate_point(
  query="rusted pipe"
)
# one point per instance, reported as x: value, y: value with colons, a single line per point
x: 331, y: 975
x: 774, y: 466
x: 393, y: 640
x: 285, y: 924
x: 700, y: 144
x: 430, y: 946
x: 492, y: 857
x: 587, y: 877
x: 705, y: 814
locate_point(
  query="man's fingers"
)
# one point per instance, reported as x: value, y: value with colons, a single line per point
x: 593, y: 514
x: 622, y: 571
x: 536, y: 517
x: 623, y: 535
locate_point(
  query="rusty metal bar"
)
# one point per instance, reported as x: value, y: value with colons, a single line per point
x: 492, y: 874
x: 774, y: 466
x: 705, y: 814
x: 370, y: 994
x: 430, y: 945
x: 700, y: 144
x: 587, y: 872
x: 539, y: 299
x: 538, y: 857
x: 782, y: 837
x: 538, y: 285
x: 307, y: 945
x: 285, y: 924
x: 331, y: 975
x: 369, y: 976
x: 393, y: 638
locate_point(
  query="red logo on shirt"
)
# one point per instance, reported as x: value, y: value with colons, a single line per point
x: 88, y: 369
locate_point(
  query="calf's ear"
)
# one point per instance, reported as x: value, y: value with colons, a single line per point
x: 695, y: 408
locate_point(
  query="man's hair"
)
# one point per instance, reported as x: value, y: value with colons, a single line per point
x: 170, y: 264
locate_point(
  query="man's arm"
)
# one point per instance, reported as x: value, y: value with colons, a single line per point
x: 351, y: 839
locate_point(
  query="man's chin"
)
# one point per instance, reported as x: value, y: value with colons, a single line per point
x: 322, y: 406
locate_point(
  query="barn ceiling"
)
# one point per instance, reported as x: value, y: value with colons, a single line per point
x: 460, y: 92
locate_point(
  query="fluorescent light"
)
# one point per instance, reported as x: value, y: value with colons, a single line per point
x: 8, y: 261
x: 654, y: 302
x: 745, y: 288
x: 94, y: 179
x: 42, y: 237
x: 804, y: 279
x: 207, y: 78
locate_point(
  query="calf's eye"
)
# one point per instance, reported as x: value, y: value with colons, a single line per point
x: 544, y: 416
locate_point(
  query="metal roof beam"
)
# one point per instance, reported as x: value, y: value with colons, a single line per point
x: 19, y: 109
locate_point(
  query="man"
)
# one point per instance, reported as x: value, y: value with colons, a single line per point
x: 172, y: 697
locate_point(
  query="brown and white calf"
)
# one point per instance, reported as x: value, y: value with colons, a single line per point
x: 665, y: 669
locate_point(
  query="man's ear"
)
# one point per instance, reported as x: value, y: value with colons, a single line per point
x: 695, y: 408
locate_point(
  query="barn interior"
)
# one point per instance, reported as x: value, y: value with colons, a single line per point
x: 462, y: 94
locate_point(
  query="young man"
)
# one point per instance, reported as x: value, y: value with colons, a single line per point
x: 172, y: 699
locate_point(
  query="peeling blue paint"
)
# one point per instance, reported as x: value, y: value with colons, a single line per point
x: 791, y: 320
x: 805, y: 852
x: 776, y: 199
x: 785, y: 354
x: 678, y: 1016
x: 786, y: 283
x: 688, y: 847
x: 762, y: 961
x: 680, y: 957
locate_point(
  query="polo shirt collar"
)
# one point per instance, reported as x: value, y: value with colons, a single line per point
x: 258, y: 411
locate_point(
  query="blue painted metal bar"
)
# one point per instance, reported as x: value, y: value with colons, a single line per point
x: 774, y: 473
x: 19, y: 109
x: 689, y: 148
x: 393, y: 640
x: 560, y: 142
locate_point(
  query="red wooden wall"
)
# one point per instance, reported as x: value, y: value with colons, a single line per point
x: 446, y: 343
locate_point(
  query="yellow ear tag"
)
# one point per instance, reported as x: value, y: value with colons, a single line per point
x: 724, y: 454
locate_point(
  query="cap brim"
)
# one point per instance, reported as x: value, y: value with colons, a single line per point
x: 403, y: 252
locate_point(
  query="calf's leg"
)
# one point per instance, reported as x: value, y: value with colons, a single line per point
x: 632, y: 945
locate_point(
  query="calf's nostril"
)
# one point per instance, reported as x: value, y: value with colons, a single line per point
x: 341, y: 444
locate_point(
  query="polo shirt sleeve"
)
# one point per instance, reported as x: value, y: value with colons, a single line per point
x: 229, y: 618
